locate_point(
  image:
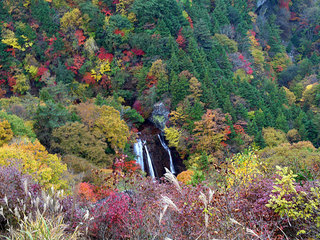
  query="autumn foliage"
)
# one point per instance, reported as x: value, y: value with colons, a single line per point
x: 231, y: 86
x: 32, y: 158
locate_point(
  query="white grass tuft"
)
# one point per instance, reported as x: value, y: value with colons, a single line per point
x: 172, y: 179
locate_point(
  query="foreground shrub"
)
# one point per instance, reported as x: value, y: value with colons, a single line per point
x: 251, y: 205
x: 28, y: 212
x: 299, y: 203
x: 115, y: 217
x: 40, y: 228
x: 13, y: 189
x: 186, y: 212
x: 91, y: 193
x: 243, y: 168
x: 86, y: 191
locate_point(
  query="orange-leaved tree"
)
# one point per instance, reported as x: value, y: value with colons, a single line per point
x: 210, y: 132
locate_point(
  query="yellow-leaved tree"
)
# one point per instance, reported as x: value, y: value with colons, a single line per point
x: 273, y: 137
x: 110, y: 126
x: 6, y: 133
x: 173, y: 136
x: 290, y: 96
x: 71, y: 20
x: 9, y: 38
x: 195, y: 89
x: 22, y: 84
x: 256, y: 50
x: 101, y: 69
x: 178, y: 117
x: 32, y: 158
x: 243, y: 168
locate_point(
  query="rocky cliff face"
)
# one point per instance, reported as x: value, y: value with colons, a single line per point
x: 160, y: 115
x: 265, y: 9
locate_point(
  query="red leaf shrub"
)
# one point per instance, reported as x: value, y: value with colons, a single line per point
x: 127, y: 56
x: 78, y: 61
x: 41, y: 71
x: 251, y: 203
x: 103, y: 55
x: 238, y: 129
x: 190, y: 22
x: 137, y: 106
x: 12, y: 50
x: 119, y: 32
x: 123, y: 165
x: 11, y: 81
x: 105, y: 82
x: 138, y: 52
x: 279, y: 69
x: 88, y: 79
x: 86, y: 192
x: 284, y: 4
x: 186, y: 219
x: 115, y: 217
x: 106, y: 12
x: 81, y: 38
x: 151, y: 81
x: 181, y: 41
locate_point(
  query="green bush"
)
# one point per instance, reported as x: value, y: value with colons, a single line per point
x: 273, y: 137
x: 301, y: 157
x: 18, y: 125
x: 76, y: 139
x: 81, y: 166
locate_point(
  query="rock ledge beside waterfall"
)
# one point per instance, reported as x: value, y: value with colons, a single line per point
x: 160, y: 115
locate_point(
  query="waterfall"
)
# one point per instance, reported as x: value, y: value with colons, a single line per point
x: 260, y: 3
x: 150, y: 166
x: 164, y: 145
x: 138, y: 150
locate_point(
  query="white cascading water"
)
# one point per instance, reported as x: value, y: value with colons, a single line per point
x: 149, y: 161
x: 164, y: 145
x: 138, y: 150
